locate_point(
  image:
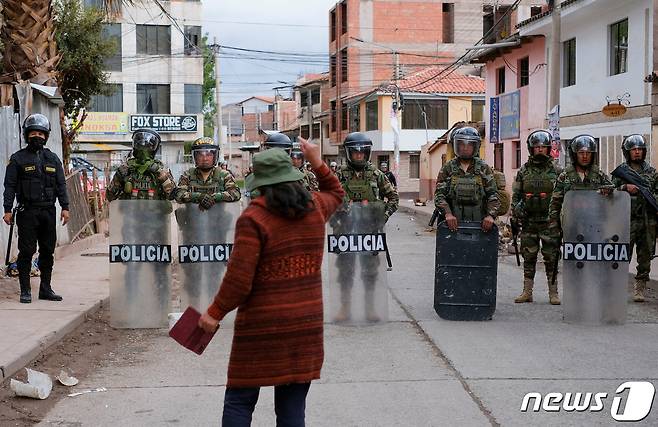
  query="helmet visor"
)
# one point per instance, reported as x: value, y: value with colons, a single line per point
x: 465, y: 148
x: 205, y: 157
x: 146, y: 141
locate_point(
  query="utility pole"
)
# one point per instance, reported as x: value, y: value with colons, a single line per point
x: 396, y: 118
x: 218, y: 120
x: 554, y: 66
x: 228, y: 133
x: 309, y: 103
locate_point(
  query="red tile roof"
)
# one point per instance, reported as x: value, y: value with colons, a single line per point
x: 433, y: 80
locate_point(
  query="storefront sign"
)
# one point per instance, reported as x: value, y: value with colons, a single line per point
x: 510, y: 115
x: 98, y: 123
x: 614, y: 110
x: 494, y: 114
x: 164, y: 123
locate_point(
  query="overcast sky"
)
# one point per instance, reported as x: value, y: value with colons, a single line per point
x: 295, y: 26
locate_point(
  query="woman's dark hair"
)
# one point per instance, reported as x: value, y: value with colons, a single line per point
x: 288, y: 199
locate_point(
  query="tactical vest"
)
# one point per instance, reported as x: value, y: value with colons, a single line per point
x: 467, y: 196
x: 594, y: 177
x: 214, y: 185
x: 537, y: 188
x: 638, y: 203
x: 503, y: 195
x: 363, y: 188
x: 37, y: 179
x: 142, y: 183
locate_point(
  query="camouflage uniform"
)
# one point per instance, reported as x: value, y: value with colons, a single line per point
x: 643, y: 220
x: 368, y: 184
x: 220, y: 184
x: 141, y: 176
x: 531, y: 195
x: 470, y: 195
x: 310, y: 180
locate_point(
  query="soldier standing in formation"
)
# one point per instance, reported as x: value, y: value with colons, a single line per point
x: 310, y: 180
x: 363, y: 183
x: 466, y: 189
x: 35, y: 177
x: 142, y: 176
x: 206, y: 184
x: 531, y: 197
x: 383, y: 166
x: 643, y: 216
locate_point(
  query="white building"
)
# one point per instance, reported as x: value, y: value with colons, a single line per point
x: 157, y: 75
x: 606, y: 53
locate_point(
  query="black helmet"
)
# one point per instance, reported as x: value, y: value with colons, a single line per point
x: 539, y: 138
x: 634, y: 141
x: 278, y: 140
x: 465, y: 136
x: 357, y: 142
x: 296, y: 152
x: 36, y: 122
x: 205, y: 145
x: 145, y: 141
x: 582, y: 143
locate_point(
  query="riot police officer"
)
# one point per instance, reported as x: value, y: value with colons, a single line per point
x: 333, y: 166
x: 363, y: 183
x: 466, y: 188
x: 206, y: 184
x: 531, y: 196
x: 310, y: 180
x: 142, y: 176
x: 643, y: 216
x: 582, y: 174
x: 278, y: 140
x: 35, y: 177
x: 383, y: 166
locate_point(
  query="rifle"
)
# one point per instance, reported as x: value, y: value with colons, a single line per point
x: 514, y: 225
x: 388, y: 259
x: 436, y: 215
x: 11, y: 235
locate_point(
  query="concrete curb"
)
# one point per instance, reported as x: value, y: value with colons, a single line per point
x: 79, y: 246
x: 420, y: 215
x: 47, y: 341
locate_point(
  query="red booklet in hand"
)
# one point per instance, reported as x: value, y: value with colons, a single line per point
x: 188, y: 333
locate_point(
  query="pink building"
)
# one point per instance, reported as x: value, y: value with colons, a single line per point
x: 516, y: 91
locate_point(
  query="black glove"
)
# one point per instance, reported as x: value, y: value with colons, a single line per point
x: 207, y: 201
x: 154, y: 168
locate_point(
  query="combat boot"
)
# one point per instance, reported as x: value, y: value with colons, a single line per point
x: 47, y: 293
x: 371, y: 313
x: 526, y: 295
x: 638, y: 290
x: 345, y: 312
x: 553, y: 297
x: 26, y: 292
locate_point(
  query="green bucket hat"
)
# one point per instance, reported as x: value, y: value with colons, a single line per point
x: 272, y: 166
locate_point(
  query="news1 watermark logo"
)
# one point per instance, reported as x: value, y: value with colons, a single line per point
x: 636, y: 406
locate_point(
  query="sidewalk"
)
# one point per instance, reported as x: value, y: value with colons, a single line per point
x: 29, y: 329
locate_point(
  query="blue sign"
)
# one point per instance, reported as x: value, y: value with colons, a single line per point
x: 494, y: 114
x: 510, y: 115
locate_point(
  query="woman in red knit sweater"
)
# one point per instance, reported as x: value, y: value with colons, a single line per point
x: 273, y: 278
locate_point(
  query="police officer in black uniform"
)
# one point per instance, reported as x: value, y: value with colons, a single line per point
x: 35, y: 177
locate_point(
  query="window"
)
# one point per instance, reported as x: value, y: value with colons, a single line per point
x: 569, y: 63
x: 535, y: 10
x: 414, y: 166
x: 618, y: 47
x: 153, y: 99
x: 193, y: 99
x: 113, y: 32
x: 316, y: 131
x: 419, y: 111
x: 448, y: 22
x: 108, y: 103
x: 315, y: 96
x: 333, y: 116
x: 332, y: 71
x: 524, y: 71
x: 500, y: 80
x: 503, y: 19
x: 332, y: 18
x: 343, y: 117
x: 517, y: 154
x: 498, y: 156
x: 477, y: 110
x: 372, y: 115
x: 343, y: 65
x: 192, y: 39
x: 343, y: 17
x: 154, y: 39
x: 355, y: 119
x: 303, y: 131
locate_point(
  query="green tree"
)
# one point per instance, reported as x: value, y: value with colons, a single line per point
x: 78, y: 32
x: 208, y: 95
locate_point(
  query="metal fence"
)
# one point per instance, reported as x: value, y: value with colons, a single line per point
x: 81, y: 221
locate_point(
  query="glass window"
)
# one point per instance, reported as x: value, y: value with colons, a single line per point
x: 448, y: 22
x: 332, y: 69
x: 372, y: 115
x: 315, y: 96
x: 618, y: 47
x: 303, y: 131
x: 343, y: 65
x: 414, y: 166
x: 355, y: 119
x: 192, y: 39
x: 343, y: 117
x: 153, y: 99
x: 153, y: 39
x: 517, y: 154
x: 113, y: 32
x: 108, y: 103
x: 500, y: 80
x: 316, y: 131
x: 193, y: 96
x: 569, y: 63
x: 498, y: 156
x: 332, y: 18
x: 417, y: 111
x: 333, y: 115
x: 477, y: 110
x: 343, y: 16
x: 524, y: 71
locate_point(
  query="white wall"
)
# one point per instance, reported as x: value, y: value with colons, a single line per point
x: 410, y: 139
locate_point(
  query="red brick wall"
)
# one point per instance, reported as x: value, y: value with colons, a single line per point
x: 407, y: 16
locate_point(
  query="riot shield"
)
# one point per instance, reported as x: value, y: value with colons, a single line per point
x: 205, y: 241
x: 466, y: 271
x: 595, y: 250
x: 357, y: 284
x: 140, y: 263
